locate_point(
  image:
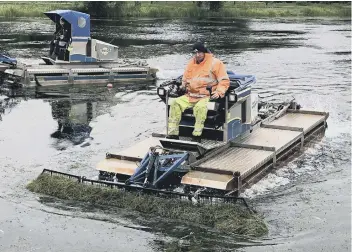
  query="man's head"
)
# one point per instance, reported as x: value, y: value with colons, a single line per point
x: 62, y: 22
x: 199, y: 49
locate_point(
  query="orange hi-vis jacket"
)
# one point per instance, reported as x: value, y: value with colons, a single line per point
x: 210, y: 72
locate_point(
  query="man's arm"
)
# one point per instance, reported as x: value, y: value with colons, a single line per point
x: 186, y: 77
x: 222, y: 78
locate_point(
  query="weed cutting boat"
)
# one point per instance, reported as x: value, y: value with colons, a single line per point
x: 242, y: 139
x: 80, y: 59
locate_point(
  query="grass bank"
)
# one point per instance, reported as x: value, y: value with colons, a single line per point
x: 30, y: 9
x: 239, y: 9
x: 225, y: 218
x: 187, y: 9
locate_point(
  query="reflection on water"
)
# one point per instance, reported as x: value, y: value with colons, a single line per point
x: 154, y: 37
x: 73, y: 120
x: 7, y: 104
x: 192, y: 237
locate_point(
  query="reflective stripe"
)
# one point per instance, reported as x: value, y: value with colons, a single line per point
x: 62, y: 43
x: 196, y: 95
x: 208, y: 79
x: 201, y: 79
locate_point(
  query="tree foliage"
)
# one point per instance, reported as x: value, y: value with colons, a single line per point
x: 115, y: 8
x: 96, y: 8
x: 215, y: 5
x: 118, y: 9
x: 104, y: 8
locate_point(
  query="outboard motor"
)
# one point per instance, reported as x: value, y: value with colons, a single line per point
x: 5, y: 59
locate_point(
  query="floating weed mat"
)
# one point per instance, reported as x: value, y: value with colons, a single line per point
x: 223, y: 217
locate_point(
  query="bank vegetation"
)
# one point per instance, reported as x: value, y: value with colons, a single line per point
x: 187, y: 9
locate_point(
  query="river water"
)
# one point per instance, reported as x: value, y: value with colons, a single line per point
x: 306, y: 202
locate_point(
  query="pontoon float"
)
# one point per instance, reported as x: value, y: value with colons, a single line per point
x: 85, y: 60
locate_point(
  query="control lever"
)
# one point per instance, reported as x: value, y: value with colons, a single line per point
x: 209, y: 90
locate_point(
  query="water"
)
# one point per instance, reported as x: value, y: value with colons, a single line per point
x: 306, y: 202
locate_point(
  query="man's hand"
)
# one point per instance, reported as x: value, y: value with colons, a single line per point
x: 184, y: 85
x: 215, y: 95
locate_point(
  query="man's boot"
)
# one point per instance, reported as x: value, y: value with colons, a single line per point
x: 175, y: 137
x: 196, y: 139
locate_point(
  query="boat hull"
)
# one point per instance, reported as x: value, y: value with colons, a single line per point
x: 72, y: 74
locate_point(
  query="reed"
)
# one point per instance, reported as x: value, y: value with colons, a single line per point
x: 227, y: 218
x: 187, y: 9
x: 30, y: 9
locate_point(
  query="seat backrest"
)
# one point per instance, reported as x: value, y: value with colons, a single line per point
x: 215, y: 115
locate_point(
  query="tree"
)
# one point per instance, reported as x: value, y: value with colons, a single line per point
x: 199, y: 3
x: 104, y: 8
x: 116, y: 8
x: 215, y: 5
x: 96, y: 8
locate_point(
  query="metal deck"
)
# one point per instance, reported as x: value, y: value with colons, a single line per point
x: 240, y: 160
x: 128, y: 162
x: 128, y: 159
x: 228, y: 165
x: 52, y: 70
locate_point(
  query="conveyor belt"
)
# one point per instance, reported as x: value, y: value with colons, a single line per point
x: 255, y: 151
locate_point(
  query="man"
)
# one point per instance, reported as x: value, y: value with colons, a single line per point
x: 202, y: 71
x: 61, y: 38
x: 54, y: 42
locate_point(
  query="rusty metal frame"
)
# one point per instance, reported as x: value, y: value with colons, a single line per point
x: 122, y: 157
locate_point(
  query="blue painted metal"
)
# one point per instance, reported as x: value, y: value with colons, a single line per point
x: 91, y: 77
x: 236, y: 128
x: 244, y: 94
x: 172, y: 168
x: 145, y: 168
x: 142, y: 167
x: 163, y: 157
x: 82, y: 58
x: 243, y: 80
x: 139, y: 176
x: 51, y: 78
x: 74, y: 18
x: 7, y: 59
